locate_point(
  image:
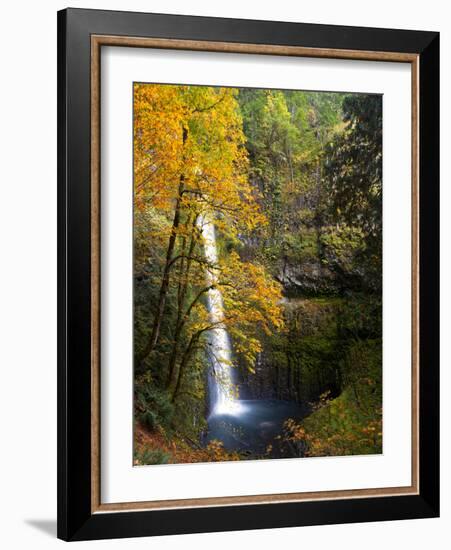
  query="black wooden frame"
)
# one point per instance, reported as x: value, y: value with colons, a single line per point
x: 75, y: 520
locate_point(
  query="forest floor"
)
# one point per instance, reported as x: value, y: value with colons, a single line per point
x: 156, y: 447
x: 156, y: 444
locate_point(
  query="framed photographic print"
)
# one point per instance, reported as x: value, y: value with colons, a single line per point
x: 248, y: 274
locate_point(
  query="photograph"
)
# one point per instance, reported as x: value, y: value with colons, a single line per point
x: 257, y: 273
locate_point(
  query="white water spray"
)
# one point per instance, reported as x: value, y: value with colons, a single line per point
x: 223, y: 399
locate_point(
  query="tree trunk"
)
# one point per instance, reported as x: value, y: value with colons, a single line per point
x: 174, y: 385
x: 183, y: 288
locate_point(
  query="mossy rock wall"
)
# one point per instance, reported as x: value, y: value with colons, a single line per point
x: 304, y: 361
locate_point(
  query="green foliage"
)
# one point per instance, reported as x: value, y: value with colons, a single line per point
x: 190, y: 405
x: 353, y: 178
x: 150, y: 456
x: 152, y: 405
x: 350, y: 424
x: 362, y: 373
x: 360, y: 317
x: 301, y: 246
x: 341, y: 247
x: 286, y: 132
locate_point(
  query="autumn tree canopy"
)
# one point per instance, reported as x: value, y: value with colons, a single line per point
x: 191, y: 165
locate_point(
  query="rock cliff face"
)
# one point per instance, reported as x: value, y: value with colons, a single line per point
x: 320, y: 285
x: 307, y: 277
x: 303, y: 362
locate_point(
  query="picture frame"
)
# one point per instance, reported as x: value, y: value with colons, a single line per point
x: 81, y: 36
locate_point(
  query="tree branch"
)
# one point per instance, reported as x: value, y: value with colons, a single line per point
x: 212, y: 106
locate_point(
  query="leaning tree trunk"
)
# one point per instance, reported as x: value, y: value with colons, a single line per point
x: 183, y: 288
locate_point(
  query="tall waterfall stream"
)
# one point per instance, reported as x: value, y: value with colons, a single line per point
x: 245, y: 425
x: 223, y: 398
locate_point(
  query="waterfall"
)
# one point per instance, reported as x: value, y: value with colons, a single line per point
x: 223, y: 398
